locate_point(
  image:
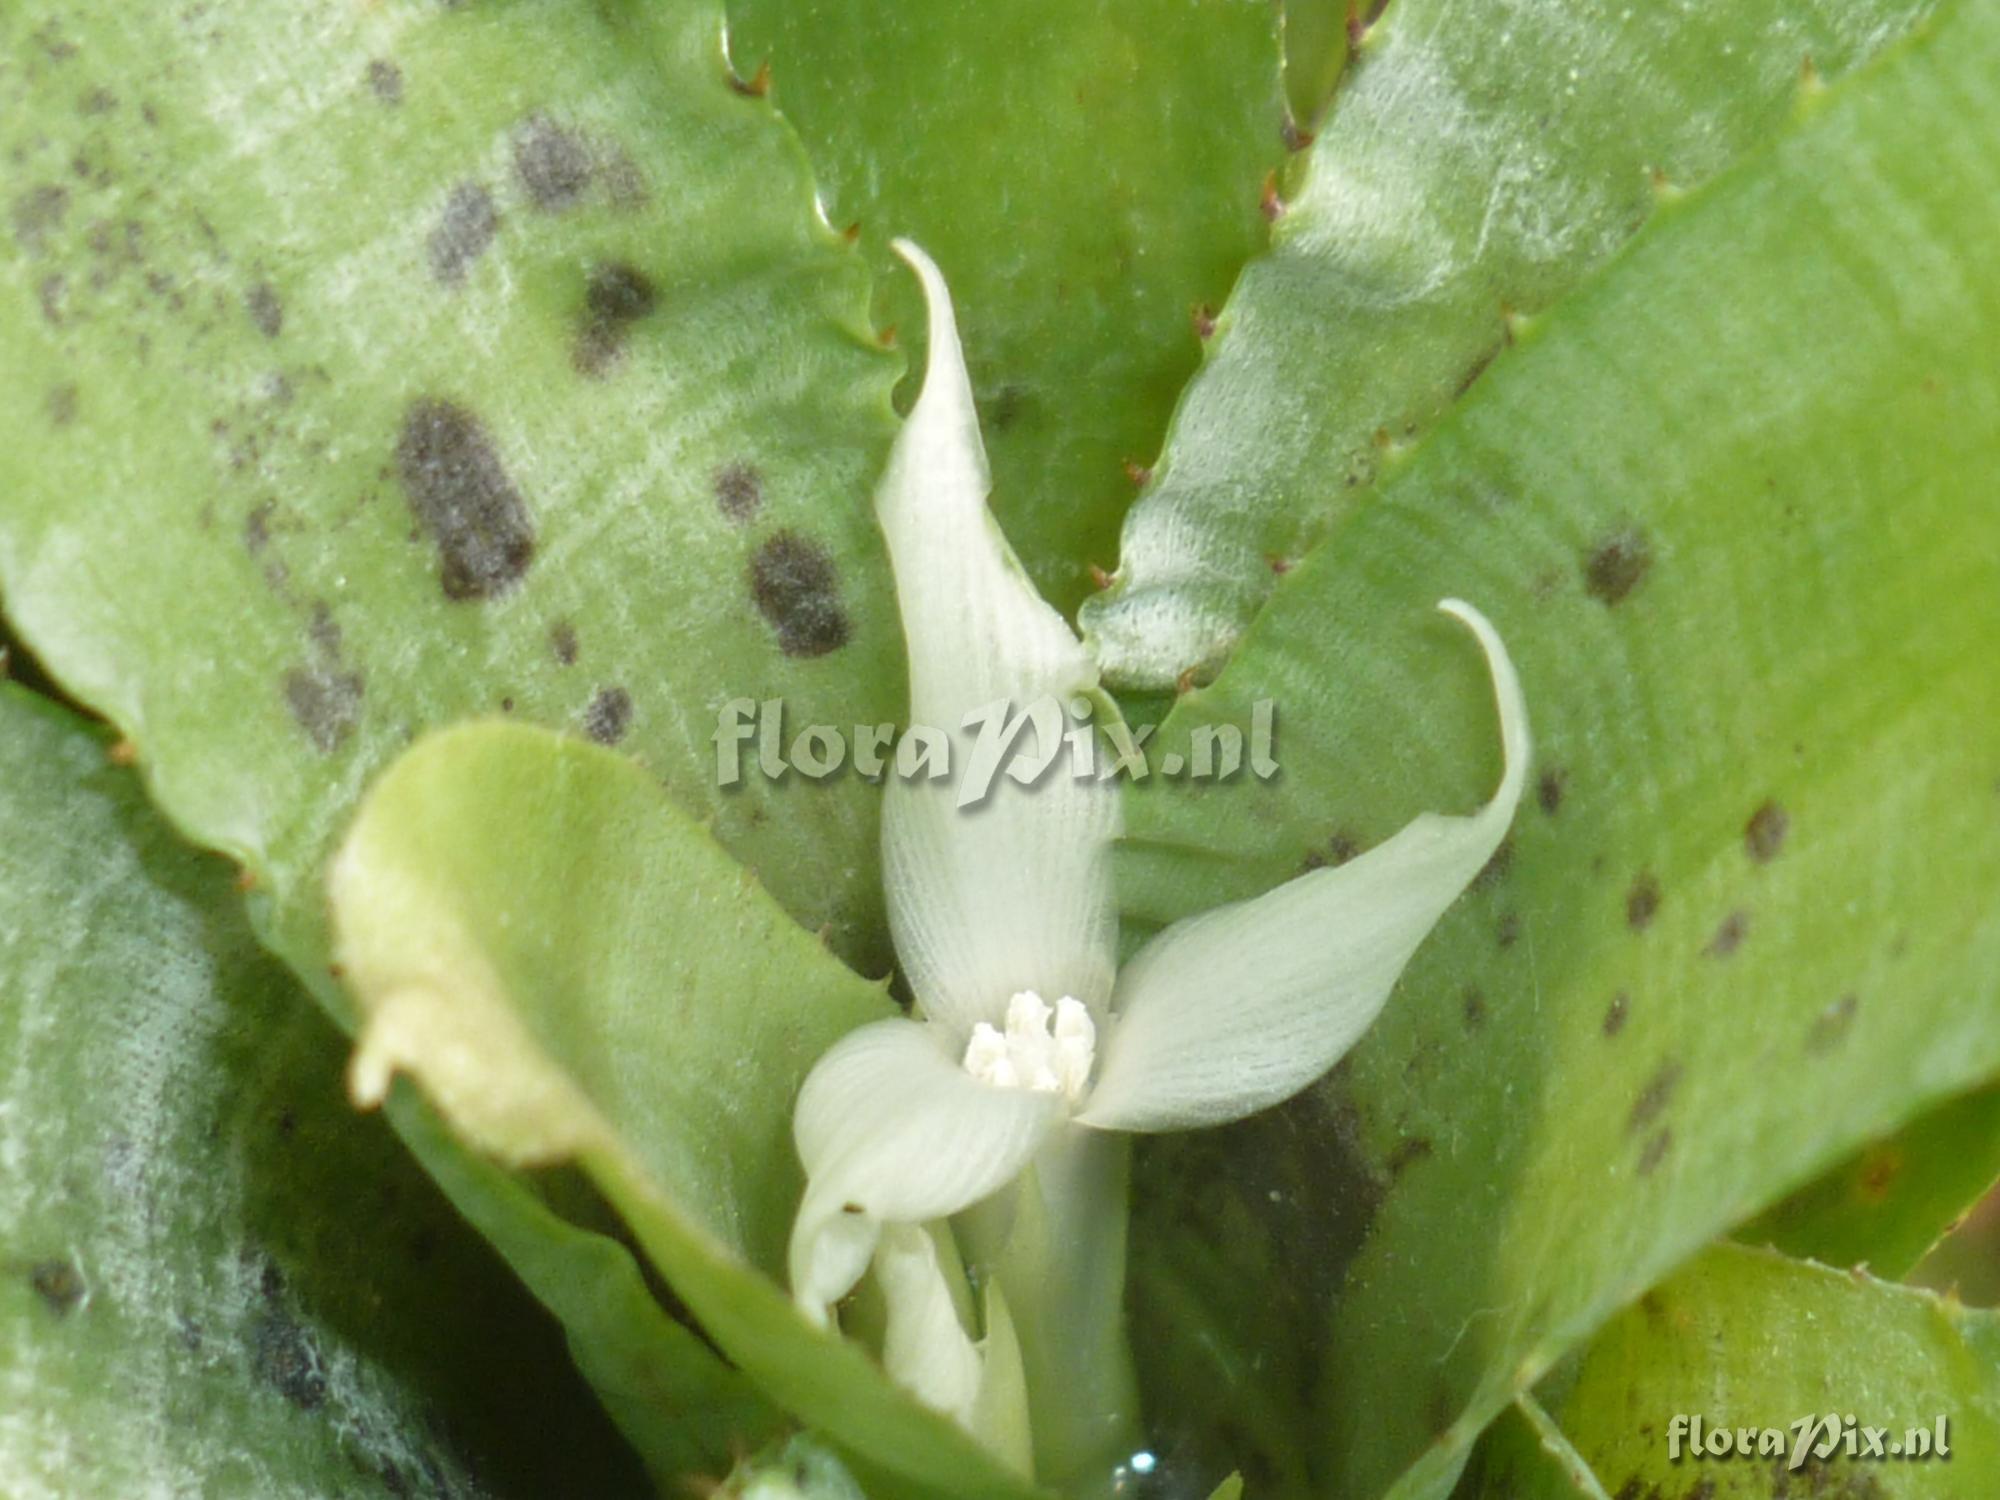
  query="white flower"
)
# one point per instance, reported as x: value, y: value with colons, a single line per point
x: 1004, y: 921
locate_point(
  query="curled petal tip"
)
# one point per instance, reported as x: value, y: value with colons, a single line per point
x: 914, y: 256
x: 1226, y: 1013
x: 1514, y: 740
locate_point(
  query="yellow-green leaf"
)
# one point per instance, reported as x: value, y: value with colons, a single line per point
x: 572, y: 970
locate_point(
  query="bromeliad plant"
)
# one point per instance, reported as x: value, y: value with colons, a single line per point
x: 1030, y: 1052
x: 986, y: 1138
x: 424, y: 418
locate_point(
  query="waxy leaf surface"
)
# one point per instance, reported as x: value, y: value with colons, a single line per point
x: 1731, y: 508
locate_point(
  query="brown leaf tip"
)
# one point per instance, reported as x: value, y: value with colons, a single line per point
x: 757, y: 85
x: 1269, y: 203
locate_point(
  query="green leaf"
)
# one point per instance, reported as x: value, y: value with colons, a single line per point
x: 379, y: 367
x: 1731, y: 509
x: 1966, y: 1262
x: 1316, y: 33
x: 1542, y: 1458
x: 1890, y: 1203
x: 1478, y: 160
x: 687, y: 1412
x: 1085, y: 171
x: 572, y: 970
x: 218, y: 1280
x: 1747, y: 1339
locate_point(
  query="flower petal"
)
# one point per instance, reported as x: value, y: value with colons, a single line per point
x: 892, y: 1130
x: 1014, y: 893
x: 927, y: 1351
x: 1239, y: 1008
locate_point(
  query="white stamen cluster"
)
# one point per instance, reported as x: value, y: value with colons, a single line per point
x: 1032, y: 1053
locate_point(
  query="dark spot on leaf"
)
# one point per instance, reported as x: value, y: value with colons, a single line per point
x: 385, y: 81
x: 323, y: 628
x: 554, y: 166
x: 1337, y: 850
x: 37, y: 212
x: 1549, y: 790
x: 51, y: 293
x: 117, y: 245
x: 59, y: 1284
x: 1880, y: 1167
x: 1729, y: 936
x: 1616, y: 1013
x: 1655, y: 1096
x: 1764, y: 834
x: 1507, y: 931
x: 1831, y: 1025
x: 1630, y: 1489
x: 326, y: 702
x: 739, y: 491
x: 1495, y: 869
x: 1655, y: 1152
x: 1474, y: 1007
x: 285, y: 1357
x: 265, y: 310
x: 797, y: 589
x: 97, y: 101
x: 51, y: 40
x: 562, y: 642
x: 608, y: 716
x: 1642, y: 900
x: 463, y: 232
x: 1617, y: 564
x: 614, y: 298
x: 257, y: 526
x: 618, y: 293
x: 1406, y: 1153
x: 62, y: 405
x: 1002, y: 409
x: 623, y: 179
x: 463, y: 499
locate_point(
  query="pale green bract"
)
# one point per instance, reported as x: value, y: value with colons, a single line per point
x: 1029, y: 1047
